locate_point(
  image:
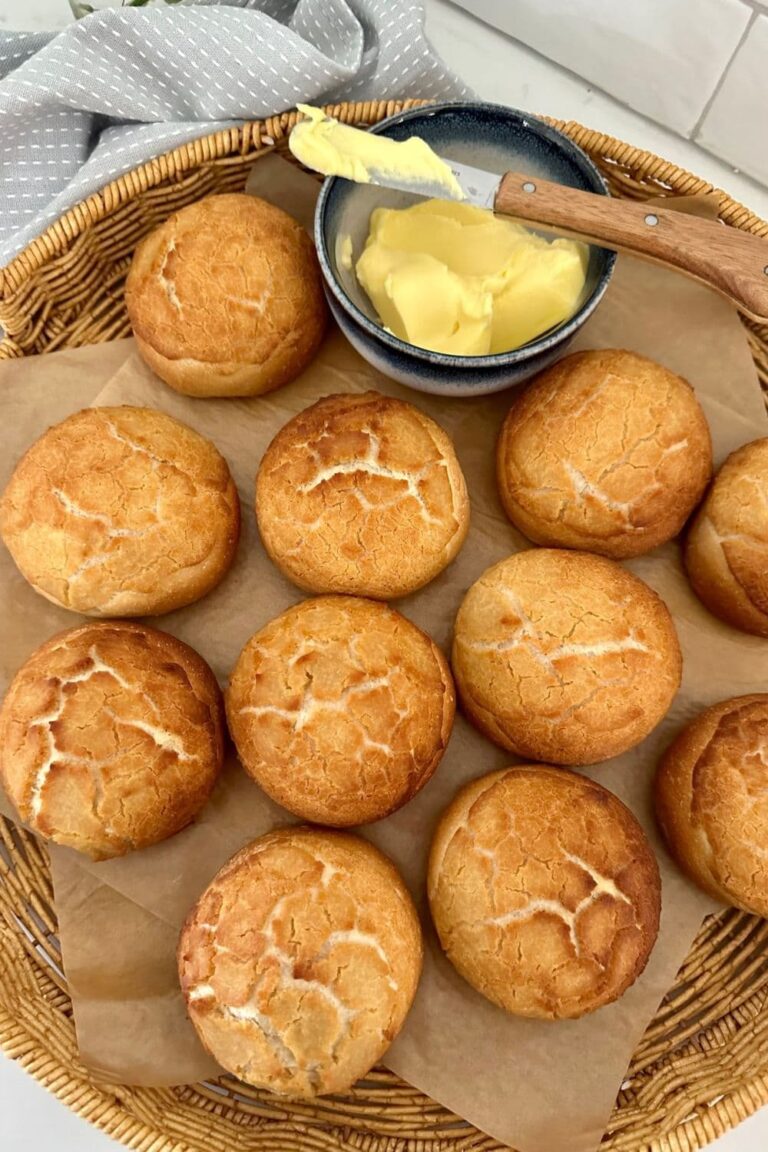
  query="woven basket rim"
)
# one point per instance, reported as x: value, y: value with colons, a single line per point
x: 94, y: 1102
x: 68, y: 227
x: 109, y: 1115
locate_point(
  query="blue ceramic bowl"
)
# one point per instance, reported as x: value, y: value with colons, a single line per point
x: 487, y: 136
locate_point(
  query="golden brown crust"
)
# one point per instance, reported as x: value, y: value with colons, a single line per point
x: 341, y: 709
x: 726, y: 552
x: 361, y: 494
x: 544, y: 891
x: 564, y: 656
x: 226, y: 298
x: 300, y: 961
x: 111, y: 738
x: 712, y: 801
x: 121, y: 512
x: 606, y: 451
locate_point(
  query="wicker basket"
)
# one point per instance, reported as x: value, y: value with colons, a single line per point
x: 703, y: 1064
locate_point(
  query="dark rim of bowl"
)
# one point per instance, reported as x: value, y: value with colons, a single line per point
x: 496, y: 359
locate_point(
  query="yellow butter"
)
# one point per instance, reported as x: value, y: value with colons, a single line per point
x: 344, y: 252
x: 336, y: 149
x: 457, y: 279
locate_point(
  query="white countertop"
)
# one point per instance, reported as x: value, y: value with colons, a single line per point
x: 31, y: 1120
x: 501, y: 70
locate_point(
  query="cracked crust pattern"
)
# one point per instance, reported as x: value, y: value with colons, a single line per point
x: 726, y: 553
x: 712, y: 801
x: 121, y: 512
x: 225, y: 298
x: 564, y: 656
x: 362, y: 494
x: 544, y: 891
x: 300, y: 961
x: 341, y: 709
x: 607, y: 451
x: 111, y: 738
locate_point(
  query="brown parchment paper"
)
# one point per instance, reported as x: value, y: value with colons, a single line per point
x: 537, y: 1086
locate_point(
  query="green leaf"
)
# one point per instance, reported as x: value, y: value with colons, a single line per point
x: 134, y: 3
x: 79, y: 9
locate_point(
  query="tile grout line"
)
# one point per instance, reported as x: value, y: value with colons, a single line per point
x: 689, y: 135
x: 566, y: 70
x: 694, y: 132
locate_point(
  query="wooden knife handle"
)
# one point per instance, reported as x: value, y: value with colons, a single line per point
x: 732, y: 262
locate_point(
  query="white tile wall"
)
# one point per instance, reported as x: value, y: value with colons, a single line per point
x: 506, y: 71
x: 736, y: 125
x: 662, y: 57
x: 699, y: 67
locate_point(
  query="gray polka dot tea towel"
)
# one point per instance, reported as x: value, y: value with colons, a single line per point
x: 80, y: 107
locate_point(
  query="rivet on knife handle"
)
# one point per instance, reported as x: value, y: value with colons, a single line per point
x: 732, y: 262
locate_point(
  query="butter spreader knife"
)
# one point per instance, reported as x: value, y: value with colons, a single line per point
x: 732, y: 262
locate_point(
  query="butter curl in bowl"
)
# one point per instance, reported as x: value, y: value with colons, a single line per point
x: 445, y: 297
x: 457, y: 279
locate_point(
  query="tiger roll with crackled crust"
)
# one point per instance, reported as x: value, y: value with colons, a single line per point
x: 544, y: 891
x: 111, y: 738
x: 726, y: 552
x: 564, y: 656
x: 121, y: 512
x: 341, y: 709
x: 606, y: 451
x: 712, y: 801
x: 361, y: 494
x: 226, y: 299
x: 300, y: 961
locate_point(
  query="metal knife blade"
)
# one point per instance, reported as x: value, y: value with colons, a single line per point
x: 479, y: 187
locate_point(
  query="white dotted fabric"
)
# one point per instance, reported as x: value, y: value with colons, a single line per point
x: 79, y: 108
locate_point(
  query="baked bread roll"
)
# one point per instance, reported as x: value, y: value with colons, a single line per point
x: 225, y: 298
x: 341, y: 709
x: 606, y: 451
x: 300, y: 961
x: 712, y: 801
x: 565, y: 657
x: 726, y: 552
x: 544, y: 891
x: 111, y: 738
x: 361, y: 493
x: 121, y: 512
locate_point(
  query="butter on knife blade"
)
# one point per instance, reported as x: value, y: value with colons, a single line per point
x: 336, y: 149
